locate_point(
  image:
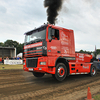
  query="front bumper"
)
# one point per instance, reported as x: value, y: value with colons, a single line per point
x: 40, y: 68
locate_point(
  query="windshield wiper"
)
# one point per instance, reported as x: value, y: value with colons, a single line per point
x: 38, y: 40
x: 29, y: 42
x: 33, y: 41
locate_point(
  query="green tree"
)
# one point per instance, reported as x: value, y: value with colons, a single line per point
x: 20, y: 48
x: 82, y: 51
x: 11, y: 43
x: 1, y: 44
x: 97, y: 51
x: 17, y: 45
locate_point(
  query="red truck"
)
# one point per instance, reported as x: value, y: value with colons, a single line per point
x: 51, y: 49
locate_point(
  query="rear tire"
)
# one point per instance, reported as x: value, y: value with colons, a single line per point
x: 37, y: 74
x: 93, y: 71
x: 61, y: 72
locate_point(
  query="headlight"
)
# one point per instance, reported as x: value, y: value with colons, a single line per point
x: 42, y: 63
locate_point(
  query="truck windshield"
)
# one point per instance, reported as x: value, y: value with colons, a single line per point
x: 36, y: 36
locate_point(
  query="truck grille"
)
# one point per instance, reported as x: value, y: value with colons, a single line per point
x: 33, y: 52
x: 31, y: 62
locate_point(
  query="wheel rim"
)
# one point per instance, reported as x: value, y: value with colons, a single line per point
x: 61, y: 71
x: 93, y: 71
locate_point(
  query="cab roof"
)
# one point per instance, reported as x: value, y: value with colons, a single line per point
x: 42, y: 27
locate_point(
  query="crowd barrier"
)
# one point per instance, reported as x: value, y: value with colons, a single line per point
x: 13, y: 62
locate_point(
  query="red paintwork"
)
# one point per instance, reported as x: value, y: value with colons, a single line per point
x: 81, y: 57
x: 45, y: 68
x: 33, y: 51
x: 79, y: 67
x: 66, y: 46
x: 33, y: 45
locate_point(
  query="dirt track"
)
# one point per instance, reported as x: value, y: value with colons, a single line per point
x: 21, y: 85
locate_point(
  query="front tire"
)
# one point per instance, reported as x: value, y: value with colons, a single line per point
x: 61, y: 72
x: 37, y: 74
x: 93, y: 70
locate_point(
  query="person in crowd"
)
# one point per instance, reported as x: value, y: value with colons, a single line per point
x: 18, y: 58
x: 13, y: 58
x: 2, y: 60
x: 7, y: 58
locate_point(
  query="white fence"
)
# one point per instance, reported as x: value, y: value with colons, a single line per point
x: 13, y: 62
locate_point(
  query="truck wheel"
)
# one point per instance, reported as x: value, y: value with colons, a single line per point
x: 37, y: 74
x: 93, y: 70
x: 61, y: 72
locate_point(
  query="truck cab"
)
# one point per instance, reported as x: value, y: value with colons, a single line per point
x: 51, y: 49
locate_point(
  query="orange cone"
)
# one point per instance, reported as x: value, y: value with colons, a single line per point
x: 89, y: 97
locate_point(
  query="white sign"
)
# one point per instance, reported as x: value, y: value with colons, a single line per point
x: 13, y: 62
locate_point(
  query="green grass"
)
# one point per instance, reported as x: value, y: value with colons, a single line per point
x: 6, y: 67
x: 97, y: 97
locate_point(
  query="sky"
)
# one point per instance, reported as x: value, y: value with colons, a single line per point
x: 82, y: 16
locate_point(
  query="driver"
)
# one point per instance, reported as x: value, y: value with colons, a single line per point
x: 53, y: 37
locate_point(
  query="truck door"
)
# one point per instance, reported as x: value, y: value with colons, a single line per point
x: 53, y: 45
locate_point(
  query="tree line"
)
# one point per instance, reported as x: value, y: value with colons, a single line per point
x: 96, y: 52
x: 11, y: 43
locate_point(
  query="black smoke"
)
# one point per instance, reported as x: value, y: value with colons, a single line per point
x: 53, y: 6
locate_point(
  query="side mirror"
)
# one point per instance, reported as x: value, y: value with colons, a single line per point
x: 52, y: 33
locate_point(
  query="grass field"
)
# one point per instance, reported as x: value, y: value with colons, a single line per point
x: 97, y: 97
x: 6, y: 67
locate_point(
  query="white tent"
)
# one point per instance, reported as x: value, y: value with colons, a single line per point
x: 98, y: 56
x: 20, y: 55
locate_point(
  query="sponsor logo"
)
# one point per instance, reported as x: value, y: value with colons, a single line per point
x: 53, y: 47
x: 64, y: 43
x: 33, y: 45
x: 86, y: 67
x: 38, y: 48
x: 65, y: 51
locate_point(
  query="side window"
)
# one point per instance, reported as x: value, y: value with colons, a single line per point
x: 55, y: 35
x: 49, y: 34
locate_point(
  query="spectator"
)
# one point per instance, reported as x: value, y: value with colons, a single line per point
x: 2, y: 60
x: 18, y: 58
x: 14, y: 58
x: 7, y: 58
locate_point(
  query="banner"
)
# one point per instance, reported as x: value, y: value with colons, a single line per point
x: 13, y: 62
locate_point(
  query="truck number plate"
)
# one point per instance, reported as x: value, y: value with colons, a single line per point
x: 30, y: 69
